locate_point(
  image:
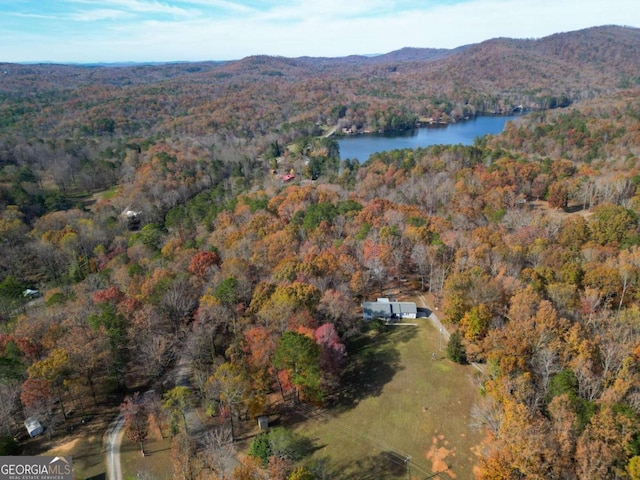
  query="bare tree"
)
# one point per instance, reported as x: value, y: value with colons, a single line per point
x: 589, y: 383
x: 178, y: 302
x: 219, y: 451
x: 156, y: 353
x: 421, y: 261
x: 487, y: 414
x: 615, y: 338
x: 545, y: 363
x: 9, y: 406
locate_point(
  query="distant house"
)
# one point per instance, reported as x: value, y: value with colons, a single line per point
x: 288, y: 177
x: 33, y: 426
x: 30, y: 293
x: 133, y: 218
x: 388, y: 310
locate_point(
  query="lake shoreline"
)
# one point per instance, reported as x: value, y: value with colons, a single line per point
x: 362, y: 145
x: 427, y: 123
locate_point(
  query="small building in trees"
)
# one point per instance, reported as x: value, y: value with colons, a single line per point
x: 133, y: 218
x: 263, y: 422
x: 31, y: 293
x: 389, y: 310
x: 34, y: 427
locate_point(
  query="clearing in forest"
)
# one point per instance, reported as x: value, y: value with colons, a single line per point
x: 401, y: 410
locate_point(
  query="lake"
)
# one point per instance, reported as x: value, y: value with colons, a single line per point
x: 463, y: 133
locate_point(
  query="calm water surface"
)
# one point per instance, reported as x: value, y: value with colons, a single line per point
x: 464, y: 133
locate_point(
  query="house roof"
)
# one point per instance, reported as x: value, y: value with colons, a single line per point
x: 384, y: 308
x: 377, y: 309
x: 405, y: 307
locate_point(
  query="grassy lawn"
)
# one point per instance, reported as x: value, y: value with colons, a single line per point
x: 86, y: 449
x: 84, y: 445
x: 156, y: 463
x: 111, y: 193
x: 401, y: 403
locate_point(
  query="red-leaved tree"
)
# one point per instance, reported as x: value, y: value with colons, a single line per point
x: 136, y: 419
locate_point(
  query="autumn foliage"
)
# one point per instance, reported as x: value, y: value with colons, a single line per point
x: 150, y: 207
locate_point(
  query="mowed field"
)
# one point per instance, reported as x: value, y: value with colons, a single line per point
x: 400, y: 403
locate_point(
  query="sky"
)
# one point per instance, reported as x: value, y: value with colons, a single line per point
x: 95, y: 31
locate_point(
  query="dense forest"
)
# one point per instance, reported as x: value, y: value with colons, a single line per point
x: 147, y: 205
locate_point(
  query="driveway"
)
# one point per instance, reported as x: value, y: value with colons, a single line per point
x: 112, y: 449
x: 443, y: 331
x: 195, y: 426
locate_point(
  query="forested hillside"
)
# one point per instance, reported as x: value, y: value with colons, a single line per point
x: 147, y: 204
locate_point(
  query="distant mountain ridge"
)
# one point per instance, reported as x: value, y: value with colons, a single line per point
x: 411, y: 54
x: 575, y: 45
x: 494, y: 76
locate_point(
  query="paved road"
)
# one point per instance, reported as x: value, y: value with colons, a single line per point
x: 112, y: 449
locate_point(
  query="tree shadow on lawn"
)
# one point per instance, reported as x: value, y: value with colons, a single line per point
x: 80, y: 440
x: 383, y: 465
x: 374, y: 360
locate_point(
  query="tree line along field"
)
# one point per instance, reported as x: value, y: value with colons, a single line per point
x: 199, y: 253
x: 408, y: 413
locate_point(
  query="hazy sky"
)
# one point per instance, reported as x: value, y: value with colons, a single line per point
x: 172, y: 30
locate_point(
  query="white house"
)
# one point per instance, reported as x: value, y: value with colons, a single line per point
x: 31, y: 293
